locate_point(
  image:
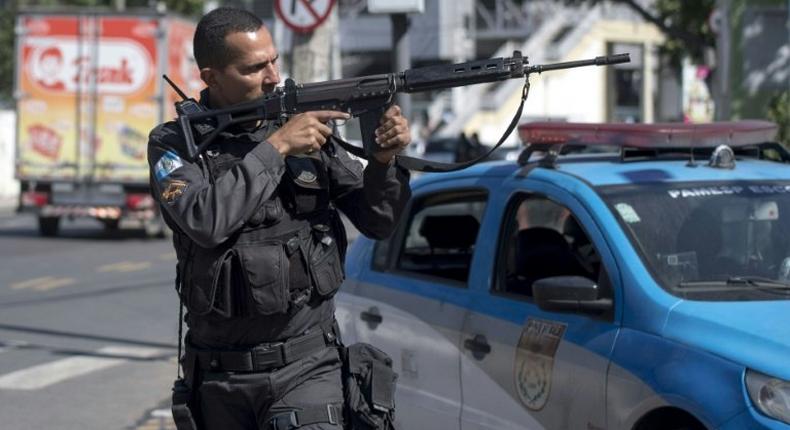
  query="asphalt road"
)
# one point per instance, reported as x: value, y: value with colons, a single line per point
x: 88, y: 327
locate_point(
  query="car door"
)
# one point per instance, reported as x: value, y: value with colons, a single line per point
x: 412, y: 299
x: 523, y: 367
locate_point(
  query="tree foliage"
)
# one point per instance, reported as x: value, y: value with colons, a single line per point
x: 779, y: 112
x: 189, y: 8
x: 684, y: 23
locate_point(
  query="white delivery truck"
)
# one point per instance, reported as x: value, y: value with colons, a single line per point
x: 89, y: 89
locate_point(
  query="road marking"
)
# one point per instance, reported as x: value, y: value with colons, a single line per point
x: 124, y: 266
x: 158, y: 419
x: 45, y: 283
x: 43, y: 375
x: 168, y: 256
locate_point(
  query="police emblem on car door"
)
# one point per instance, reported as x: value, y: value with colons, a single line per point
x: 535, y: 361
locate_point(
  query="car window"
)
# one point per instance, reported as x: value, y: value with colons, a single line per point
x: 541, y: 239
x: 439, y: 237
x: 707, y: 232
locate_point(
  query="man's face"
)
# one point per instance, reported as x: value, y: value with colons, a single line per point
x: 251, y: 73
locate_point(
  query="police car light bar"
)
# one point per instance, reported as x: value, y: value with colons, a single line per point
x: 659, y: 135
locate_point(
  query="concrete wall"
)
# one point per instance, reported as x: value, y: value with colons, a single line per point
x: 9, y: 187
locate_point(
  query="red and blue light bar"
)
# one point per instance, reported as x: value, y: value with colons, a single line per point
x: 658, y: 135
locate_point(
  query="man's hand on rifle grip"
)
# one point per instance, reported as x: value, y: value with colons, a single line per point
x: 392, y: 135
x: 304, y: 133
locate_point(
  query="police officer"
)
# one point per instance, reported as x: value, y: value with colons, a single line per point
x: 259, y: 242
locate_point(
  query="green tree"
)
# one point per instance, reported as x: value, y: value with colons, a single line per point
x: 684, y: 23
x: 7, y: 56
x: 779, y: 112
x: 188, y: 8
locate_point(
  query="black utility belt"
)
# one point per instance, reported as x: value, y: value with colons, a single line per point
x: 264, y: 357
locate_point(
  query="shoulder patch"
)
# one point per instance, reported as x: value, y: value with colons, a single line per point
x: 166, y: 165
x: 175, y: 188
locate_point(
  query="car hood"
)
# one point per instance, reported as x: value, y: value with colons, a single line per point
x: 755, y: 334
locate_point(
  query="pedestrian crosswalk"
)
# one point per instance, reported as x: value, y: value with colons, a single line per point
x: 43, y: 375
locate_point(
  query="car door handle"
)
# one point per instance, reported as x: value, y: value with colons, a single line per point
x: 478, y: 345
x: 371, y: 316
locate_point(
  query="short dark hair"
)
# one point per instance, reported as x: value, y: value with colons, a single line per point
x: 209, y: 43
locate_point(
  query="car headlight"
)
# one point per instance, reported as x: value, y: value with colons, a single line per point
x: 770, y: 395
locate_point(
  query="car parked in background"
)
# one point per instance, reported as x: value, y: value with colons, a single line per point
x: 644, y: 288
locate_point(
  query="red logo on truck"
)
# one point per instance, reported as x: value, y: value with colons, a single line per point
x: 45, y: 141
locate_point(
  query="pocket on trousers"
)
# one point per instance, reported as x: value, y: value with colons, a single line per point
x: 265, y: 270
x: 325, y: 266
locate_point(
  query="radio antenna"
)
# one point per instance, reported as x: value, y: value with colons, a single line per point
x: 178, y: 90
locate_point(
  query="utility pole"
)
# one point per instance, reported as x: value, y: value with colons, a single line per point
x: 401, y: 56
x: 311, y: 53
x: 401, y: 52
x: 723, y: 42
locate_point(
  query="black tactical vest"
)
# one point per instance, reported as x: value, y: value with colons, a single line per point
x: 289, y: 253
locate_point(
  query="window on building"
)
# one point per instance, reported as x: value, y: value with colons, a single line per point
x: 625, y: 92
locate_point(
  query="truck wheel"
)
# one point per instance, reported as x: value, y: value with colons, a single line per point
x: 111, y: 225
x: 48, y: 225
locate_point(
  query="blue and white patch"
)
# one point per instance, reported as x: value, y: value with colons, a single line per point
x: 167, y: 165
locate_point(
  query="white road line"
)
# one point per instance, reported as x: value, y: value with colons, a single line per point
x: 43, y: 375
x: 124, y: 266
x: 168, y: 256
x: 45, y: 283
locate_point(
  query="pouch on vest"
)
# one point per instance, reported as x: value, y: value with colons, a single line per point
x: 207, y: 282
x: 269, y: 213
x: 308, y: 183
x: 326, y: 267
x: 265, y: 270
x: 368, y: 387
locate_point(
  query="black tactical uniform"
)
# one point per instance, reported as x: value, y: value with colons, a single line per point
x: 260, y: 251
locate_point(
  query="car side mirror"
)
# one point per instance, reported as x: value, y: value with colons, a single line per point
x: 569, y: 294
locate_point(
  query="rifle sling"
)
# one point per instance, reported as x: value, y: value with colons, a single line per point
x: 421, y: 165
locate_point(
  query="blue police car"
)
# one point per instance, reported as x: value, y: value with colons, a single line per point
x: 617, y: 277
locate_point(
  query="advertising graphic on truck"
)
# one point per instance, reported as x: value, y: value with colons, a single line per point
x: 88, y: 91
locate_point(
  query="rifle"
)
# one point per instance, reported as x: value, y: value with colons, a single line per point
x: 367, y: 97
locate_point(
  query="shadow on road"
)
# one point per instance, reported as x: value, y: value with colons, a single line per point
x: 84, y: 294
x: 25, y: 225
x: 83, y: 336
x: 55, y: 350
x: 80, y: 233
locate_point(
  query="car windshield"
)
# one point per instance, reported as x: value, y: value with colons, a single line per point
x: 725, y: 236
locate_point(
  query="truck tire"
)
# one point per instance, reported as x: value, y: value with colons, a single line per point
x: 111, y: 225
x: 48, y: 226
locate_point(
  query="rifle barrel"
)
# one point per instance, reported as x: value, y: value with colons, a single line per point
x: 597, y: 61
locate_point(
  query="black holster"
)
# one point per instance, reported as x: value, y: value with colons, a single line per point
x: 368, y: 388
x: 182, y: 399
x: 186, y: 413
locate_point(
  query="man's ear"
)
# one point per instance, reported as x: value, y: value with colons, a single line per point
x: 207, y: 74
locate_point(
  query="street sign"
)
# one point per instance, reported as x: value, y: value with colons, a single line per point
x: 396, y: 6
x: 303, y: 16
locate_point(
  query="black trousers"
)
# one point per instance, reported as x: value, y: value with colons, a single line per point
x: 248, y: 401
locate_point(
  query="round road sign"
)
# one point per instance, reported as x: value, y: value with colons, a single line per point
x: 303, y: 16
